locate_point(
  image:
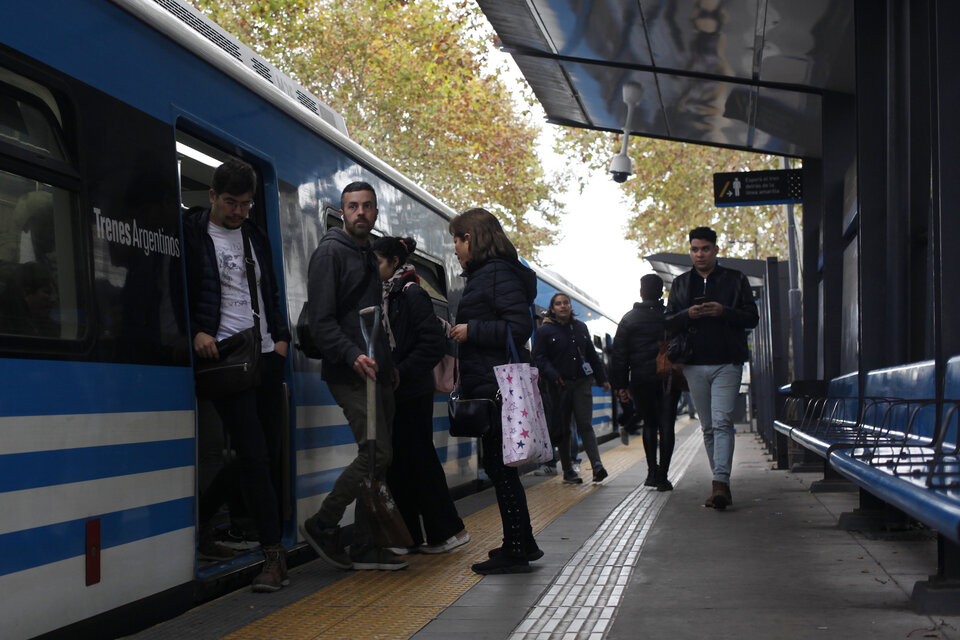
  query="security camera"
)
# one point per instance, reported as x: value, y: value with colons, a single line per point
x: 621, y: 167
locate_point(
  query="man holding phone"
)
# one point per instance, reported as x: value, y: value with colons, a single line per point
x: 715, y: 307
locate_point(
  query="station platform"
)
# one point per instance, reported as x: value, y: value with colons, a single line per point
x: 622, y: 561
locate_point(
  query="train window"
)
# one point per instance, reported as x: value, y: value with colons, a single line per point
x: 331, y: 217
x: 40, y: 250
x: 431, y: 277
x: 30, y: 118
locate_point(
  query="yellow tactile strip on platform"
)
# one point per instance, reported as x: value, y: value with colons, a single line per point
x: 384, y: 604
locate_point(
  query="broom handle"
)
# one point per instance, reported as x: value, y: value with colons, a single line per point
x: 371, y: 385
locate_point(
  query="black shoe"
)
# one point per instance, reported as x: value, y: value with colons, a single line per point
x: 664, y: 485
x: 599, y: 474
x: 502, y: 563
x: 326, y: 542
x: 533, y: 554
x: 651, y: 480
x: 572, y: 478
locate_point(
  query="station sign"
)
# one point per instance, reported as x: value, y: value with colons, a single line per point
x: 746, y: 188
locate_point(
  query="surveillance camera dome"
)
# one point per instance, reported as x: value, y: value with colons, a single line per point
x: 621, y: 167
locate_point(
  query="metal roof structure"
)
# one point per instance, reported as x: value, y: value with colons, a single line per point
x: 731, y: 73
x: 669, y: 265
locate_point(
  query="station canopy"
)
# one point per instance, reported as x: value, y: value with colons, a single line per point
x: 731, y: 73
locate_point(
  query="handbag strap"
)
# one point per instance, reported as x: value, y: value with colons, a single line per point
x: 251, y: 282
x: 512, y: 355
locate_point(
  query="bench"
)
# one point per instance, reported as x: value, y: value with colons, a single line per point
x: 891, y: 445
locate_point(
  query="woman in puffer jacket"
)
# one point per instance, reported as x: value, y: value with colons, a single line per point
x: 498, y: 295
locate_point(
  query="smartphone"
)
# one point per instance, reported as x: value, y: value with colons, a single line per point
x: 699, y: 299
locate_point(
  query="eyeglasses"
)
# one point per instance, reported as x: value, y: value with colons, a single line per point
x: 233, y: 204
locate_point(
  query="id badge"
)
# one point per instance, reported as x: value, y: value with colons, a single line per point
x: 587, y: 369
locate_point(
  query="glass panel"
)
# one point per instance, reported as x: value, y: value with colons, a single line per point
x: 38, y: 260
x: 27, y: 122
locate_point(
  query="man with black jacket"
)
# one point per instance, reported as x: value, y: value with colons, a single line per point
x: 221, y: 306
x: 634, y: 374
x: 344, y: 277
x: 713, y: 307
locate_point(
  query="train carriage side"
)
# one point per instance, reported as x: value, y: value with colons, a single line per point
x: 105, y: 124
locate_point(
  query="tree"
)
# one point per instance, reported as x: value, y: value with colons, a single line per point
x: 415, y: 85
x: 673, y: 192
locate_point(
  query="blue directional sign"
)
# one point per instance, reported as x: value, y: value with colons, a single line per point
x: 746, y: 188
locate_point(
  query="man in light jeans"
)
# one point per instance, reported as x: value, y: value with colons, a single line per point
x: 712, y: 307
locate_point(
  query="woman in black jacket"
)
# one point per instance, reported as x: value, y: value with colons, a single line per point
x: 498, y: 295
x: 565, y: 356
x: 415, y: 476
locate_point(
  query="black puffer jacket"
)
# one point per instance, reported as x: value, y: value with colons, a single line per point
x: 343, y: 278
x: 418, y: 335
x: 557, y: 350
x: 637, y: 343
x: 203, y: 278
x: 730, y: 288
x: 498, y: 293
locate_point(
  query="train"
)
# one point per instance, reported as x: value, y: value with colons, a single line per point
x: 113, y: 116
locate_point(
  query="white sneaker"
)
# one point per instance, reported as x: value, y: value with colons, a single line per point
x: 451, y: 543
x: 401, y: 551
x: 545, y: 470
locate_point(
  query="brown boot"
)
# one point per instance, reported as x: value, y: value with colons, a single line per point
x: 721, y: 495
x: 274, y: 570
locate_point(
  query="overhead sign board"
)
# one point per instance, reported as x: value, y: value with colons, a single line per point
x: 745, y: 188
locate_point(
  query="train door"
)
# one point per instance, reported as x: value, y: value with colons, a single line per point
x: 227, y: 534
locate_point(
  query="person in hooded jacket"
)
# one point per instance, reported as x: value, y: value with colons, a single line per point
x: 416, y: 336
x: 497, y: 295
x: 634, y: 374
x: 565, y: 356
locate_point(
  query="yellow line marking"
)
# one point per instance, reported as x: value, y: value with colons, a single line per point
x: 383, y: 604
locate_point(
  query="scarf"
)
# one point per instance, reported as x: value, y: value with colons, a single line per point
x: 403, y: 272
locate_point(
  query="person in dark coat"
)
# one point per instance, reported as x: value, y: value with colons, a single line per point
x: 564, y: 353
x: 498, y: 295
x: 221, y: 306
x: 416, y: 336
x: 713, y: 307
x: 634, y: 374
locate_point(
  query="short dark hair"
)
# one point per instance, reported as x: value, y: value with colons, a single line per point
x: 358, y: 186
x: 234, y: 176
x: 651, y: 287
x: 703, y: 233
x: 399, y: 248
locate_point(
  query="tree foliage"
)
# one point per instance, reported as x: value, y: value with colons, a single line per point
x: 415, y: 85
x: 672, y: 192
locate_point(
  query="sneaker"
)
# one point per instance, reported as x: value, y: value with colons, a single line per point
x: 502, y: 563
x: 273, y: 574
x: 546, y: 470
x: 238, y: 539
x: 403, y: 551
x: 209, y: 549
x: 326, y: 542
x: 572, y: 478
x: 533, y: 553
x: 624, y: 435
x: 375, y: 559
x: 451, y: 543
x: 664, y: 485
x: 599, y: 474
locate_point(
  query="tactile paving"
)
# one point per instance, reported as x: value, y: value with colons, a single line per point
x: 382, y: 604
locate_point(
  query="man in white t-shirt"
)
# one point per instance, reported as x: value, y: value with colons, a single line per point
x: 220, y: 306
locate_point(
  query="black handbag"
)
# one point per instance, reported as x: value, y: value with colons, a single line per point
x: 304, y: 338
x: 680, y: 349
x: 473, y: 417
x: 238, y: 366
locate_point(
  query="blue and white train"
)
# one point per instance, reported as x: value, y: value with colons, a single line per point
x: 113, y: 115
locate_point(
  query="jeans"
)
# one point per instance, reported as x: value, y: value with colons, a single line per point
x: 714, y: 388
x: 352, y: 398
x: 253, y: 420
x: 575, y: 400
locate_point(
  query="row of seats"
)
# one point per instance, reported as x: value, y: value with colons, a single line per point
x: 890, y: 443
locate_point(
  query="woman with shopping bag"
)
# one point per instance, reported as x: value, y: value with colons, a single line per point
x: 416, y: 338
x: 497, y: 297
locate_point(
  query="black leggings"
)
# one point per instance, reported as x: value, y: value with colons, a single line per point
x: 659, y: 412
x: 517, y: 532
